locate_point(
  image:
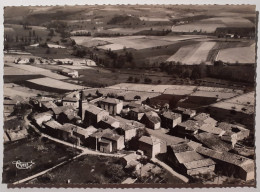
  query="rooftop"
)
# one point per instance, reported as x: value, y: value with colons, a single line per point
x: 213, y: 142
x: 9, y: 102
x: 153, y: 116
x: 94, y: 109
x: 225, y: 156
x: 181, y: 148
x: 53, y: 124
x: 150, y: 140
x: 70, y: 99
x: 111, y: 100
x: 191, y: 125
x: 49, y: 105
x: 185, y: 111
x: 142, y: 109
x: 199, y: 163
x: 188, y: 156
x: 171, y: 115
x: 40, y: 115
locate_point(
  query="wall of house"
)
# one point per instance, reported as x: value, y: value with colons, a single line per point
x: 121, y: 143
x: 119, y: 107
x: 68, y: 103
x: 105, y: 147
x: 129, y: 134
x: 201, y: 170
x: 42, y: 119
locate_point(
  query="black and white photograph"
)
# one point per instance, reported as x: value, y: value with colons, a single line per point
x: 132, y: 95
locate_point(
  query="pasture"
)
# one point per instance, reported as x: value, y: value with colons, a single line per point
x: 243, y: 55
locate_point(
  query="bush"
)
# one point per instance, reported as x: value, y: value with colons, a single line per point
x: 31, y: 60
x: 147, y: 80
x: 130, y: 79
x: 137, y: 80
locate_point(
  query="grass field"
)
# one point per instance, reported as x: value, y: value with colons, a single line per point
x: 43, y: 152
x: 191, y: 27
x: 237, y: 55
x: 194, y: 54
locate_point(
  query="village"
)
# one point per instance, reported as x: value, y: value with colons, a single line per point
x: 144, y: 132
x: 130, y: 95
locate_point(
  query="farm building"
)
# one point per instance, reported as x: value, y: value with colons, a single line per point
x: 170, y: 119
x: 137, y: 113
x: 59, y: 109
x: 80, y: 33
x: 188, y: 161
x: 151, y: 146
x: 113, y: 106
x: 127, y: 130
x: 231, y: 164
x: 151, y: 120
x: 70, y: 73
x: 93, y: 115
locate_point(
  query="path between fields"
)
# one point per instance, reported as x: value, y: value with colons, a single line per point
x: 168, y: 168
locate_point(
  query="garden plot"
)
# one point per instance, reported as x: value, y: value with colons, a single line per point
x: 37, y: 70
x: 194, y: 54
x: 237, y: 55
x: 53, y: 83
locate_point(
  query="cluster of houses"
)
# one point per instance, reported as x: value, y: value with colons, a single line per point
x: 200, y: 143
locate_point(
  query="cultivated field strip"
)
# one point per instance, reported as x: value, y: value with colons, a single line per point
x: 53, y: 83
x: 238, y: 54
x: 38, y: 70
x: 194, y: 54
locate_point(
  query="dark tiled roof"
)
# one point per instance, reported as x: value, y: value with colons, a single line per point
x: 171, y: 115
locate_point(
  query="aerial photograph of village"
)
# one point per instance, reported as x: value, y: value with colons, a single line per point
x: 129, y: 95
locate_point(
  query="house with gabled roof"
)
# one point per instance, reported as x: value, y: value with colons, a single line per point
x: 186, y: 113
x: 138, y: 112
x: 187, y: 161
x: 151, y: 120
x: 150, y: 145
x: 92, y: 115
x: 170, y: 119
x: 112, y: 105
x: 230, y: 163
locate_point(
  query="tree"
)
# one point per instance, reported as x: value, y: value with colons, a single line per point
x: 115, y: 172
x: 137, y: 97
x: 130, y: 79
x: 137, y: 80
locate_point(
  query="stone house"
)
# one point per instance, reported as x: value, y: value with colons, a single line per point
x: 109, y: 122
x: 187, y: 161
x: 151, y: 120
x: 170, y: 119
x: 9, y: 106
x: 186, y: 113
x: 93, y: 115
x: 137, y: 113
x: 113, y: 106
x: 151, y: 146
x: 70, y: 101
x: 42, y: 117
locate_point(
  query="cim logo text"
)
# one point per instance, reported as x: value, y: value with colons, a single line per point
x: 23, y: 165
